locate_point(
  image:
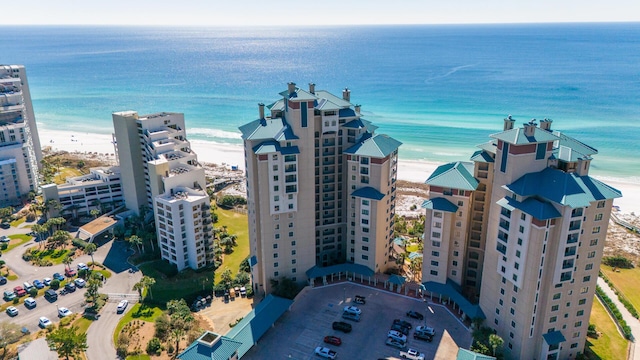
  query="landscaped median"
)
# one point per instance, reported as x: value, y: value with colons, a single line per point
x: 609, y: 344
x: 613, y: 309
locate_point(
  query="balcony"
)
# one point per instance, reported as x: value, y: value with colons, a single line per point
x: 504, y: 224
x: 574, y: 225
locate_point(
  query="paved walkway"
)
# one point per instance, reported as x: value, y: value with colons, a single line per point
x: 633, y: 323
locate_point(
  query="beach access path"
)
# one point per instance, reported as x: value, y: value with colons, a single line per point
x: 634, y: 352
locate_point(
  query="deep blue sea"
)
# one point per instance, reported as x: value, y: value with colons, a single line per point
x: 439, y: 89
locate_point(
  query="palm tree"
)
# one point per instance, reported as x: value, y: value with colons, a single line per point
x: 135, y: 240
x: 495, y: 341
x: 59, y: 238
x: 90, y: 249
x: 95, y: 213
x: 67, y: 261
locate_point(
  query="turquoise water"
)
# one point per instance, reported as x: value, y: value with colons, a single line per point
x: 439, y: 89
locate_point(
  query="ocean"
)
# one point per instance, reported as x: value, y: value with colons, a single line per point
x: 440, y: 90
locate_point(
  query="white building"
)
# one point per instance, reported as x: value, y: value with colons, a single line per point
x: 20, y: 152
x: 159, y: 170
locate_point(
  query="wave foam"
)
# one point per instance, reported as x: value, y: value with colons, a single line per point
x: 216, y: 133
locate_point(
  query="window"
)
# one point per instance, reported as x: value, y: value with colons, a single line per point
x: 365, y: 239
x: 275, y: 264
x: 434, y: 272
x: 275, y: 255
x: 365, y: 257
x: 276, y: 274
x: 497, y: 311
x: 598, y: 217
x: 293, y: 252
x: 580, y: 313
x: 293, y: 261
x: 365, y: 248
x: 586, y: 278
x: 365, y: 202
x: 435, y: 243
x: 290, y: 233
x: 434, y: 263
x: 365, y: 212
x: 595, y: 230
x: 512, y: 311
x: 435, y: 235
x: 591, y: 254
x: 523, y: 216
x: 519, y: 241
x: 555, y: 307
x: 521, y: 229
x: 437, y: 214
x: 502, y: 291
x: 600, y: 204
x: 275, y: 246
x: 454, y: 263
x: 435, y: 253
x: 456, y: 253
x: 582, y: 301
x: 577, y: 324
x: 553, y: 319
x: 556, y: 296
x: 593, y: 242
x: 513, y: 324
x: 584, y: 290
x: 574, y: 345
x: 518, y: 253
x: 460, y: 203
x: 588, y: 267
x: 513, y: 299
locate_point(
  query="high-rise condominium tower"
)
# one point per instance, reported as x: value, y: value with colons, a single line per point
x: 320, y: 187
x: 521, y: 229
x: 20, y: 152
x: 161, y: 172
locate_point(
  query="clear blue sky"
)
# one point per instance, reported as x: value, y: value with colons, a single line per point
x: 324, y: 12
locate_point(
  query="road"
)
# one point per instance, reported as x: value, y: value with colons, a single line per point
x: 634, y: 324
x: 100, y: 334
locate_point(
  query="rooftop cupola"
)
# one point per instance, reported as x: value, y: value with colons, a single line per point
x: 312, y: 88
x: 261, y: 111
x: 546, y: 124
x: 291, y: 87
x: 346, y: 94
x: 508, y: 123
x: 357, y: 108
x: 530, y: 127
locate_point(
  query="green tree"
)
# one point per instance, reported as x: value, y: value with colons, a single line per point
x: 244, y: 266
x: 60, y: 238
x: 95, y: 213
x: 6, y: 212
x: 135, y: 240
x: 90, y: 249
x: 68, y: 341
x: 9, y: 333
x: 496, y: 342
x: 226, y: 278
x: 144, y: 284
x: 93, y: 286
x: 67, y: 261
x: 285, y: 287
x: 181, y: 321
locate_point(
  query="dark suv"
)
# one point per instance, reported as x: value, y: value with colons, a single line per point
x: 342, y: 326
x: 51, y: 295
x: 423, y: 336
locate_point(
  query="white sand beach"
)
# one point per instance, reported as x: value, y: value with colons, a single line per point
x: 233, y: 155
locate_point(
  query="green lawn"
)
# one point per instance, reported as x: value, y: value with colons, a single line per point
x: 55, y: 256
x: 190, y: 283
x: 610, y: 345
x: 627, y: 281
x: 23, y: 239
x: 412, y: 247
x: 17, y: 222
x: 83, y: 324
x: 137, y: 312
x: 64, y: 173
x: 139, y: 357
x: 237, y: 224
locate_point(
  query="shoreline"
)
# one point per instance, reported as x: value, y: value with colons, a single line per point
x: 233, y: 155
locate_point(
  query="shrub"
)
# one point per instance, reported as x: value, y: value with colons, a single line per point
x: 2, y: 262
x: 591, y: 331
x: 229, y: 201
x: 55, y: 284
x: 4, y: 246
x: 154, y: 347
x: 79, y: 243
x: 616, y: 313
x: 33, y: 292
x: 617, y: 261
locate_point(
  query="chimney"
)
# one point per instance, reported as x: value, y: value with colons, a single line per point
x: 508, y: 123
x: 261, y: 110
x: 357, y: 108
x: 291, y: 87
x: 346, y: 94
x: 530, y: 127
x: 546, y: 124
x: 312, y: 88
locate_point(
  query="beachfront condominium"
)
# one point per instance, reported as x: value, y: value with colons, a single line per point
x: 527, y: 221
x: 161, y: 172
x: 320, y: 187
x: 20, y: 152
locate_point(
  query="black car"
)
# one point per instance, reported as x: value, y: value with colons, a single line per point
x: 341, y: 326
x: 415, y: 315
x: 3, y: 280
x: 402, y: 323
x: 400, y: 329
x: 51, y: 295
x: 70, y: 287
x: 422, y: 336
x: 5, y: 225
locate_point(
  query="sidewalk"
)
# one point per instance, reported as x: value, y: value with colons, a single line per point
x: 633, y: 323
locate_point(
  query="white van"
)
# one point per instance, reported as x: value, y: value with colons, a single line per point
x: 27, y: 286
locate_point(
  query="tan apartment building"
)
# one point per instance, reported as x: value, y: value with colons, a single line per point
x: 160, y: 171
x: 320, y: 187
x: 543, y: 221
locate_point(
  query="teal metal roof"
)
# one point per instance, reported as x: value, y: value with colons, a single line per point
x: 415, y: 254
x: 378, y: 146
x: 253, y: 326
x: 517, y: 136
x: 482, y: 156
x: 324, y: 104
x: 563, y: 188
x: 489, y: 146
x: 298, y: 94
x: 270, y: 147
x: 532, y: 206
x: 323, y: 94
x: 396, y: 279
x: 454, y: 175
x: 568, y: 154
x: 267, y: 129
x: 554, y: 337
x: 316, y: 271
x: 574, y: 144
x: 368, y: 193
x: 464, y: 354
x: 360, y: 124
x: 223, y: 349
x: 473, y: 311
x: 277, y: 105
x: 441, y: 204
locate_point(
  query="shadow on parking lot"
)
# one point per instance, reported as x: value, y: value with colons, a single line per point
x: 116, y: 259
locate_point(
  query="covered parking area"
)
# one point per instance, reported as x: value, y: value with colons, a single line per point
x: 447, y: 294
x: 339, y: 272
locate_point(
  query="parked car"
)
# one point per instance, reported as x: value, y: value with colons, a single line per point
x: 350, y: 316
x: 30, y: 303
x: 412, y: 354
x: 63, y: 311
x: 426, y: 330
x: 400, y: 329
x: 341, y: 326
x: 395, y: 343
x: 51, y: 295
x: 422, y: 336
x: 403, y: 323
x: 325, y: 352
x: 352, y: 310
x: 5, y: 225
x: 58, y: 276
x: 9, y: 295
x: 19, y: 291
x: 4, y: 239
x: 333, y: 340
x: 70, y: 287
x: 415, y: 315
x: 46, y: 281
x: 397, y: 335
x: 3, y: 280
x: 359, y: 300
x: 82, y: 266
x: 69, y: 272
x: 38, y: 284
x: 44, y: 322
x: 12, y: 311
x: 27, y: 286
x: 122, y: 305
x: 243, y: 291
x: 80, y: 282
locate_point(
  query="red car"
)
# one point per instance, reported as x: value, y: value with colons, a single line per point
x: 333, y: 340
x: 69, y: 272
x: 20, y: 292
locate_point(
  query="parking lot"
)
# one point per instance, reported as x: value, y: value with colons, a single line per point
x: 298, y: 332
